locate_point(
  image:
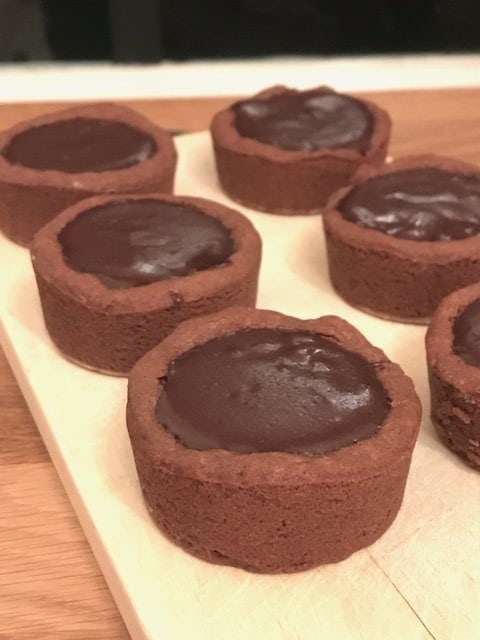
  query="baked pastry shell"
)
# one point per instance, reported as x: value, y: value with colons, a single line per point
x: 109, y: 329
x: 370, y: 474
x: 280, y: 181
x: 396, y: 278
x: 454, y: 384
x: 29, y: 197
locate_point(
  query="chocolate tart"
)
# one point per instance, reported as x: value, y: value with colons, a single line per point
x: 262, y: 509
x: 453, y: 358
x: 113, y: 281
x: 319, y: 160
x: 55, y: 160
x: 375, y: 262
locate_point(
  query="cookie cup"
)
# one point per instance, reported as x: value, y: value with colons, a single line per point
x: 270, y: 512
x: 454, y: 384
x: 395, y: 278
x: 29, y: 198
x: 275, y: 180
x: 108, y: 330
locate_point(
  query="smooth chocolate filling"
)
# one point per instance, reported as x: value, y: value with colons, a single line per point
x: 417, y: 204
x: 80, y: 144
x: 129, y: 243
x: 466, y: 334
x: 271, y: 390
x: 306, y: 121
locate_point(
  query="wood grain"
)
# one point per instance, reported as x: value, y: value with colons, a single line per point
x: 50, y: 585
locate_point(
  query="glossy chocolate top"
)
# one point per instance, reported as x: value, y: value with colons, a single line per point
x: 417, y: 204
x: 271, y: 390
x: 466, y: 334
x: 129, y: 243
x: 80, y: 144
x: 306, y: 121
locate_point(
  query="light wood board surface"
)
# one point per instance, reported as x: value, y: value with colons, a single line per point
x: 420, y: 580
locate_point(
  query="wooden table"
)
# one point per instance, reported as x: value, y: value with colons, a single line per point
x: 50, y: 584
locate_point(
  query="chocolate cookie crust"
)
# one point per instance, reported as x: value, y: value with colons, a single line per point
x: 394, y: 277
x: 29, y: 198
x: 271, y: 512
x: 109, y: 329
x: 454, y: 384
x: 288, y: 182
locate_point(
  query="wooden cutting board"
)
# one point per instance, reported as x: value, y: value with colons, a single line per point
x: 420, y: 580
x: 49, y: 585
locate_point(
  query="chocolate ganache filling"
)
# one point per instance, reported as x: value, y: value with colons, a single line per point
x: 129, y: 243
x: 426, y: 204
x: 80, y: 144
x: 466, y: 334
x: 306, y: 121
x: 271, y: 390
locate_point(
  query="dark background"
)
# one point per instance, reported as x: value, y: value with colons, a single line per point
x: 154, y: 30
